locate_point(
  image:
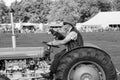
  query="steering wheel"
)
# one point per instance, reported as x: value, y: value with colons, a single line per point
x: 50, y: 45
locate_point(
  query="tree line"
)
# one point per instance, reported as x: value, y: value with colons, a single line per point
x: 43, y: 11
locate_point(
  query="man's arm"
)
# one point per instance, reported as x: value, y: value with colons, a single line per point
x: 69, y: 37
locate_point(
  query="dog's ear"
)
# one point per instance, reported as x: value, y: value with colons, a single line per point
x: 52, y: 31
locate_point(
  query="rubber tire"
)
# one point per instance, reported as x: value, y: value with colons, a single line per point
x: 86, y: 54
x: 3, y: 77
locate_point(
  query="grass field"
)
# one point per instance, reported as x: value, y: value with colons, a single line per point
x: 108, y: 41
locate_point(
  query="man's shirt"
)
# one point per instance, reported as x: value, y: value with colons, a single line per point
x: 72, y: 35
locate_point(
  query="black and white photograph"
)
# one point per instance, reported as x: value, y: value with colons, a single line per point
x: 59, y: 39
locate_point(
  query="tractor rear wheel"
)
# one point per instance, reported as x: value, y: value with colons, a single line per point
x: 86, y: 64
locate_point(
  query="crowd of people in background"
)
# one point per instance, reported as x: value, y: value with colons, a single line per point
x: 100, y: 29
x: 32, y: 29
x: 22, y: 29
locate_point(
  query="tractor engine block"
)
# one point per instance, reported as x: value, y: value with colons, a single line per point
x: 23, y: 68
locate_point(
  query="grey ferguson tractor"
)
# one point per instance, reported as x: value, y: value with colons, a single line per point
x: 88, y: 62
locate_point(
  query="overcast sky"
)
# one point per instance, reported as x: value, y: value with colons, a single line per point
x: 8, y: 2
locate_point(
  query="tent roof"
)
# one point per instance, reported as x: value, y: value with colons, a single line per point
x: 104, y: 18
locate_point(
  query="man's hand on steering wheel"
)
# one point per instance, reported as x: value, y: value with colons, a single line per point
x: 50, y: 43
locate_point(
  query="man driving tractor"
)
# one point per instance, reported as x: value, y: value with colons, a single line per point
x: 73, y: 39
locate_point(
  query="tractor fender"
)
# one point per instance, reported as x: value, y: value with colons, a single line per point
x: 92, y: 45
x: 83, y: 47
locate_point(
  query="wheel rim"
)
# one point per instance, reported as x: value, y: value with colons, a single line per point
x: 89, y: 71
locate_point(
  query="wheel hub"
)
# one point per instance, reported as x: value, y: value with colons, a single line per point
x: 86, y: 76
x: 85, y: 72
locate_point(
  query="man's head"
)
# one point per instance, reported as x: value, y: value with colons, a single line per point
x: 67, y: 26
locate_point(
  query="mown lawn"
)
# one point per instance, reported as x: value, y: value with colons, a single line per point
x: 108, y: 41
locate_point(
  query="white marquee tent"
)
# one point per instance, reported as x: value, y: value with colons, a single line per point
x: 102, y: 19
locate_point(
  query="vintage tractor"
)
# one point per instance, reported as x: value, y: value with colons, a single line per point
x: 88, y: 62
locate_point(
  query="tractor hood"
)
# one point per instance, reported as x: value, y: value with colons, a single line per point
x: 21, y: 52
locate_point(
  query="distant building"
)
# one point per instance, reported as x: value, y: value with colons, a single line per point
x: 22, y: 27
